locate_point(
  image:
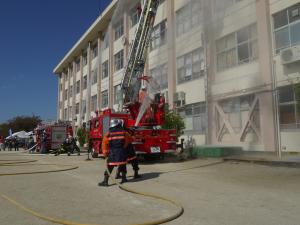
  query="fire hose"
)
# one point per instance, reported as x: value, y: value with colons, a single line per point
x: 178, y: 213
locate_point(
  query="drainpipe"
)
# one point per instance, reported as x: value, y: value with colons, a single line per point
x: 276, y: 109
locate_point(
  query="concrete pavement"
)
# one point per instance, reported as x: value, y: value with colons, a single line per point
x: 212, y: 193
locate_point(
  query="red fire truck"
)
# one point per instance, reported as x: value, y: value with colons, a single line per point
x: 145, y: 126
x: 56, y: 134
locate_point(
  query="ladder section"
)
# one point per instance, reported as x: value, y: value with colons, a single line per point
x: 131, y: 83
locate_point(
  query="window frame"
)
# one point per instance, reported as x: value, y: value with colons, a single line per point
x: 119, y: 60
x: 233, y: 60
x: 288, y: 26
x: 105, y: 69
x: 118, y: 29
x: 296, y: 124
x: 182, y: 70
x: 104, y: 99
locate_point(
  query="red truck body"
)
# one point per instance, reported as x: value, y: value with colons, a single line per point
x: 146, y: 139
x: 56, y: 134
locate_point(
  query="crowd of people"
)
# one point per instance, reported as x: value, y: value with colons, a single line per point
x: 10, y: 144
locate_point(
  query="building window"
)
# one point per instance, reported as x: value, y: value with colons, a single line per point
x: 94, y: 76
x: 84, y: 82
x: 70, y: 113
x: 94, y: 103
x: 77, y: 65
x: 119, y: 29
x: 119, y: 60
x: 104, y: 95
x: 194, y: 117
x: 158, y: 36
x: 289, y: 117
x: 94, y: 51
x: 188, y: 17
x: 237, y: 48
x: 287, y: 27
x: 78, y: 87
x: 105, y: 69
x: 105, y: 42
x: 190, y: 66
x: 71, y: 72
x: 134, y: 15
x: 160, y: 75
x: 117, y: 94
x: 85, y: 59
x: 77, y: 108
x: 66, y: 114
x: 71, y: 91
x: 66, y: 94
x: 83, y: 107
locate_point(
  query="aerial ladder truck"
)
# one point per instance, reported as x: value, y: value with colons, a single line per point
x: 145, y: 126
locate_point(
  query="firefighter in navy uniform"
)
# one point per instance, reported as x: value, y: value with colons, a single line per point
x: 132, y: 159
x: 114, y: 146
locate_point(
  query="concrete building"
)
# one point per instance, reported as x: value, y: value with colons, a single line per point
x: 221, y: 64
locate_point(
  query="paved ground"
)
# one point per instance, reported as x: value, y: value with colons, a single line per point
x: 228, y: 193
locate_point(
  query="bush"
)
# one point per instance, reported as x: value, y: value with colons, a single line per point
x: 174, y: 121
x: 82, y: 136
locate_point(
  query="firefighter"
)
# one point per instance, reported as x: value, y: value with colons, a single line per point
x: 132, y: 159
x: 114, y: 147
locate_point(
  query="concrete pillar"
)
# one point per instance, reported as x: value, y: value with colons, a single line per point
x: 171, y: 52
x: 58, y: 99
x: 89, y: 83
x: 99, y: 70
x: 63, y: 94
x: 81, y: 106
x: 111, y: 66
x: 267, y: 112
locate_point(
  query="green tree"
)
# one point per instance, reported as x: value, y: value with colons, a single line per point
x: 297, y: 94
x: 82, y: 136
x: 174, y: 121
x: 26, y: 123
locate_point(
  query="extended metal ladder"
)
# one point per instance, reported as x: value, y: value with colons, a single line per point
x: 131, y: 83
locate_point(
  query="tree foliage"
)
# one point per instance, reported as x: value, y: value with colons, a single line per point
x: 297, y: 94
x: 174, y: 121
x: 19, y: 123
x: 82, y: 136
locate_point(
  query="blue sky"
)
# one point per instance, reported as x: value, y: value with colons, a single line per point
x: 34, y: 37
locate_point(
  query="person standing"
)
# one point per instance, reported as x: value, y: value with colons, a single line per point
x: 43, y: 143
x: 132, y: 159
x: 114, y: 146
x: 16, y: 144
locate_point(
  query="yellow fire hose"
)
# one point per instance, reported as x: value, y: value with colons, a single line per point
x: 179, y: 207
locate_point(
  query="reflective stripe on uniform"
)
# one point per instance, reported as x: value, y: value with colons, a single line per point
x: 131, y: 158
x: 116, y: 138
x: 117, y: 163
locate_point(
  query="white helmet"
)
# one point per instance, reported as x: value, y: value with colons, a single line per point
x: 144, y: 87
x: 115, y: 122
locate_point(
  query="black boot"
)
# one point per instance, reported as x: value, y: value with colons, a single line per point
x: 104, y: 183
x: 124, y: 179
x: 118, y: 175
x: 136, y: 174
